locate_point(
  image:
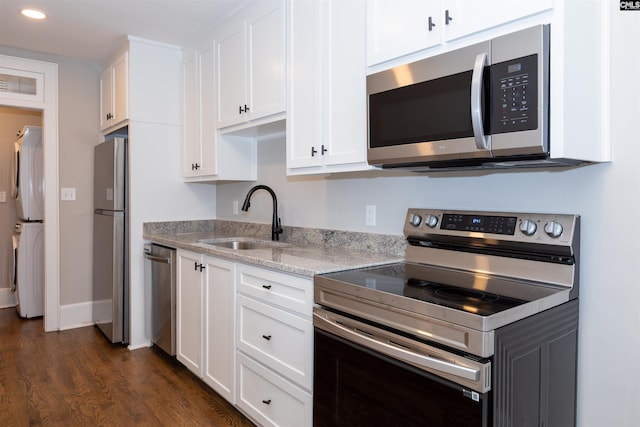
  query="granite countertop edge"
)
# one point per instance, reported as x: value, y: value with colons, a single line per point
x: 302, y: 251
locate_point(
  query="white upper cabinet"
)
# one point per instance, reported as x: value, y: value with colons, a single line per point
x: 199, y: 159
x: 251, y: 60
x: 114, y: 92
x: 462, y: 18
x: 401, y: 27
x: 326, y: 115
x: 207, y: 155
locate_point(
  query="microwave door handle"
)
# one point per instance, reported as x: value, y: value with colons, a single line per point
x: 482, y: 141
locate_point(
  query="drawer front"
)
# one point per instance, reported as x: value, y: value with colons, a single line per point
x: 269, y: 399
x: 280, y: 340
x: 290, y: 292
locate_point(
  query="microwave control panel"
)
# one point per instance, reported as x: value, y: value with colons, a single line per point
x: 514, y: 89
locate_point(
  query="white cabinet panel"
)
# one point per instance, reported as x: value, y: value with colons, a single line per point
x: 270, y: 399
x: 290, y: 292
x: 280, y: 340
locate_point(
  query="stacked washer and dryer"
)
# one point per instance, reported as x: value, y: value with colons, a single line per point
x: 27, y: 187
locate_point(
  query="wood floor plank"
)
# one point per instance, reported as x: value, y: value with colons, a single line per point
x: 78, y: 378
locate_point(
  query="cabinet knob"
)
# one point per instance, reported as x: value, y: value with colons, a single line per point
x: 267, y: 337
x: 431, y: 24
x: 447, y: 17
x: 266, y: 401
x: 323, y: 150
x: 313, y: 151
x: 267, y: 287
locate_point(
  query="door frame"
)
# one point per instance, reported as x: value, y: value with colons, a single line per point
x: 47, y: 102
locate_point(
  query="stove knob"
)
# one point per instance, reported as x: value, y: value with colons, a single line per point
x: 553, y: 229
x: 431, y: 221
x: 415, y: 220
x: 528, y: 227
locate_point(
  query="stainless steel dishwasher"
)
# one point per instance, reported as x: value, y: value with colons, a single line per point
x: 163, y: 296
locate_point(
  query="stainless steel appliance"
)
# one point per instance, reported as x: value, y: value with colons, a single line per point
x: 110, y: 240
x: 486, y: 105
x: 162, y: 269
x: 477, y: 327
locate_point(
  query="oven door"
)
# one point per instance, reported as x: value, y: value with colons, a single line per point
x: 365, y: 375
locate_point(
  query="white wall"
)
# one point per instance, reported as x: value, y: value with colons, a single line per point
x: 607, y: 196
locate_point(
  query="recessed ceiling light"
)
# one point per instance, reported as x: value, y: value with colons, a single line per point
x: 33, y: 13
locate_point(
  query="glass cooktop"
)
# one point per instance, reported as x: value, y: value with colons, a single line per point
x: 471, y: 292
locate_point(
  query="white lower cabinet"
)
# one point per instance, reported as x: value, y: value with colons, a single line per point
x: 206, y: 320
x: 248, y: 333
x: 275, y: 346
x: 219, y: 327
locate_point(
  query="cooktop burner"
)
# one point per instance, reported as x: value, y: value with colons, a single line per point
x: 474, y: 293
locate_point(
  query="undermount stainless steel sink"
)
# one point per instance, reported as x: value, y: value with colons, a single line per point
x: 243, y: 244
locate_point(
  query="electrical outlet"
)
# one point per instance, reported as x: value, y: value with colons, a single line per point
x: 235, y: 207
x: 370, y: 216
x: 3, y: 197
x: 68, y: 193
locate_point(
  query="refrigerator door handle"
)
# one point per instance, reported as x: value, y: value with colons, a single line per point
x: 106, y: 212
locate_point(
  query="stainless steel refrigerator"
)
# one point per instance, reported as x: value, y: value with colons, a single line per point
x: 110, y: 240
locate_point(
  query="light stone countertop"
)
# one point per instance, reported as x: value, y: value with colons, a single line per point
x: 301, y: 251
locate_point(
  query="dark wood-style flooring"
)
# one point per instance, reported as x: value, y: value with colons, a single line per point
x: 77, y: 378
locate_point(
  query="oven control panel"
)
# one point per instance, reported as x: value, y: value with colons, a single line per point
x: 543, y: 228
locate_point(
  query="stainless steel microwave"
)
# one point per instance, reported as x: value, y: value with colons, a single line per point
x: 485, y: 105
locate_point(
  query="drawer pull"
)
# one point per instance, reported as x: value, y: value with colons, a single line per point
x: 267, y: 337
x: 267, y: 401
x: 267, y: 287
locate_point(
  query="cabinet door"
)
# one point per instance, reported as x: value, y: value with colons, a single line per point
x: 208, y: 138
x: 121, y: 88
x: 345, y: 119
x: 191, y: 144
x: 220, y: 327
x: 400, y: 27
x: 266, y: 54
x: 304, y: 111
x: 189, y: 312
x: 106, y: 98
x: 468, y: 17
x: 231, y: 74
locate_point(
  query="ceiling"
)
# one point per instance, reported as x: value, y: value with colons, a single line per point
x: 94, y: 29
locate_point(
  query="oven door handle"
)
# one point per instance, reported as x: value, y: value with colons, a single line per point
x: 396, y: 352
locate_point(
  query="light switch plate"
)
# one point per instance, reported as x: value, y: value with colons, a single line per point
x: 3, y: 197
x: 68, y: 193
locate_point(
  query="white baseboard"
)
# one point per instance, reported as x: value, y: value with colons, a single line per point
x: 6, y: 298
x: 84, y: 314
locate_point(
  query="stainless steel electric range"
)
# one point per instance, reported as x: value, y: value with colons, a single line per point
x: 478, y: 326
